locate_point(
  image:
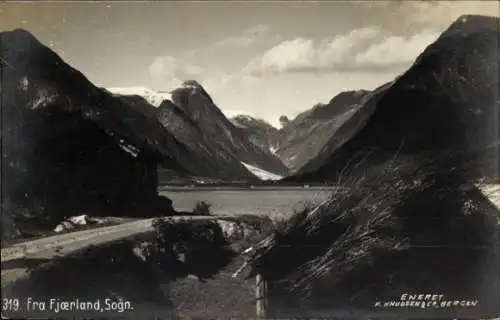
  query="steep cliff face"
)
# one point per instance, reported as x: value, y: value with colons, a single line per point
x: 445, y: 107
x: 197, y: 104
x: 259, y: 131
x: 343, y: 127
x: 224, y: 163
x: 190, y: 115
x: 69, y: 147
x: 217, y: 163
x: 304, y: 138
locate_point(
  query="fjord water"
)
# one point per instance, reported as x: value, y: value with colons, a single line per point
x: 273, y: 203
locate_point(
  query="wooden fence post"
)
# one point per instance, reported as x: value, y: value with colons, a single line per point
x: 261, y: 296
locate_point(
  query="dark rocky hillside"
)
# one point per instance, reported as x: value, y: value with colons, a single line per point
x: 445, y: 107
x: 304, y: 137
x: 224, y: 162
x: 69, y: 147
x: 221, y: 164
x: 412, y: 221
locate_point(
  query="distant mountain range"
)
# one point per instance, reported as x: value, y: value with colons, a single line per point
x: 301, y: 139
x: 70, y: 147
x: 447, y: 101
x: 436, y: 91
x: 176, y: 122
x: 444, y: 110
x: 199, y: 106
x: 190, y: 115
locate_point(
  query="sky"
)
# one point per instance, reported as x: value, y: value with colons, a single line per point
x: 261, y: 58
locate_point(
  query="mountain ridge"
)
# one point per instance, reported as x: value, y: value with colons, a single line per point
x: 301, y: 139
x: 69, y: 146
x: 196, y: 124
x: 195, y: 101
x: 153, y: 97
x: 450, y: 96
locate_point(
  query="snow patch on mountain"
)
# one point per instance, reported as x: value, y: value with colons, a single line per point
x: 189, y: 85
x: 260, y: 173
x: 245, y: 117
x: 153, y: 97
x: 231, y: 113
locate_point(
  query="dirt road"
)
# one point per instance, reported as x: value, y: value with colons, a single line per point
x: 61, y: 245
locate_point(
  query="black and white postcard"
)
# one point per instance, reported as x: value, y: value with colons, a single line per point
x: 250, y: 159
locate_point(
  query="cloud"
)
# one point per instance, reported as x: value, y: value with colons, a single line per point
x: 442, y: 13
x: 249, y: 37
x: 168, y: 70
x: 427, y: 13
x: 395, y: 51
x: 219, y: 81
x: 359, y: 50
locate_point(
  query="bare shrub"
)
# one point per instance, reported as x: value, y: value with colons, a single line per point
x: 185, y: 247
x: 202, y: 208
x: 404, y: 222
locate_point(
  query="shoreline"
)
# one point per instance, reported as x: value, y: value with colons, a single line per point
x: 188, y: 188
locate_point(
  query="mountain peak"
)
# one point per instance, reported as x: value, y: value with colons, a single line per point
x: 153, y: 97
x: 476, y: 18
x: 20, y: 38
x: 244, y: 117
x: 470, y: 23
x: 20, y: 33
x: 192, y: 84
x: 190, y: 88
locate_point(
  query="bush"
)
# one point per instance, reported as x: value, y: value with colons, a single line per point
x: 185, y: 247
x: 202, y: 208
